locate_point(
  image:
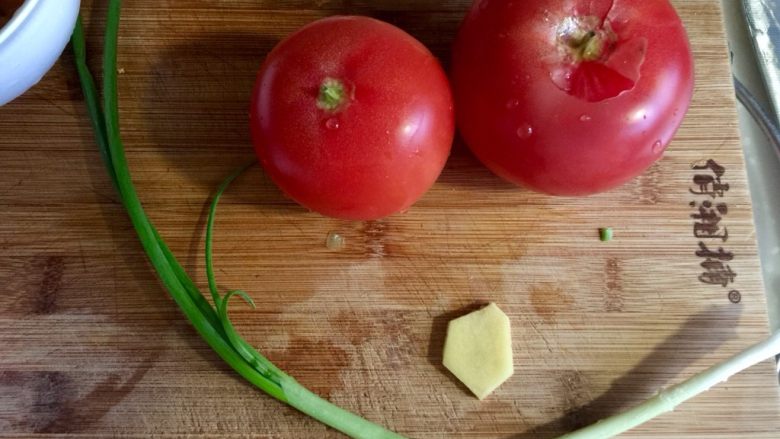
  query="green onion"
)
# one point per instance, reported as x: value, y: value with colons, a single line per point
x: 213, y: 323
x: 605, y: 234
x: 666, y: 400
x: 209, y: 232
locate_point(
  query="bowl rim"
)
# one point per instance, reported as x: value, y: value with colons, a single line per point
x: 19, y: 16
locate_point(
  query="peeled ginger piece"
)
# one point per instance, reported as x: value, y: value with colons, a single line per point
x: 478, y: 350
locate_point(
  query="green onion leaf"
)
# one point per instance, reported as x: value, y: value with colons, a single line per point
x: 91, y: 98
x: 210, y: 228
x: 666, y: 400
x: 212, y: 324
x: 168, y: 269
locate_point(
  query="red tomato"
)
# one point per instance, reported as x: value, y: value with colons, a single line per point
x: 571, y: 97
x: 352, y: 118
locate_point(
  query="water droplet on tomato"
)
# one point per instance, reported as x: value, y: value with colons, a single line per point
x: 332, y: 124
x: 658, y: 146
x: 525, y: 131
x: 585, y: 118
x: 512, y: 104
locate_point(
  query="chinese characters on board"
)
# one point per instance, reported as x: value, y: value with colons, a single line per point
x: 709, y: 211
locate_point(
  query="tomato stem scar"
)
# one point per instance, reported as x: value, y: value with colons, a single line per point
x: 587, y: 37
x: 333, y: 95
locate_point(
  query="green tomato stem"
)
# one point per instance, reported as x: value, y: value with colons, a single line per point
x: 668, y: 399
x: 587, y: 37
x: 593, y: 48
x: 333, y: 95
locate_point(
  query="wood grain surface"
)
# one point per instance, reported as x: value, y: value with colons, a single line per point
x: 91, y: 345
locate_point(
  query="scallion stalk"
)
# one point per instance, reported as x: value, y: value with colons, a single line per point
x: 666, y: 400
x: 212, y: 324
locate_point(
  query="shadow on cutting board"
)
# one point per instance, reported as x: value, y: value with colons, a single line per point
x: 195, y: 99
x: 704, y: 332
x: 49, y: 402
x: 195, y: 110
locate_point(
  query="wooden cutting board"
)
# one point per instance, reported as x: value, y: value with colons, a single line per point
x: 91, y: 345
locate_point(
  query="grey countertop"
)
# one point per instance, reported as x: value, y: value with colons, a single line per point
x: 762, y: 164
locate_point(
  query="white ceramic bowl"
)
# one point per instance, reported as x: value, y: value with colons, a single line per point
x: 31, y: 42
